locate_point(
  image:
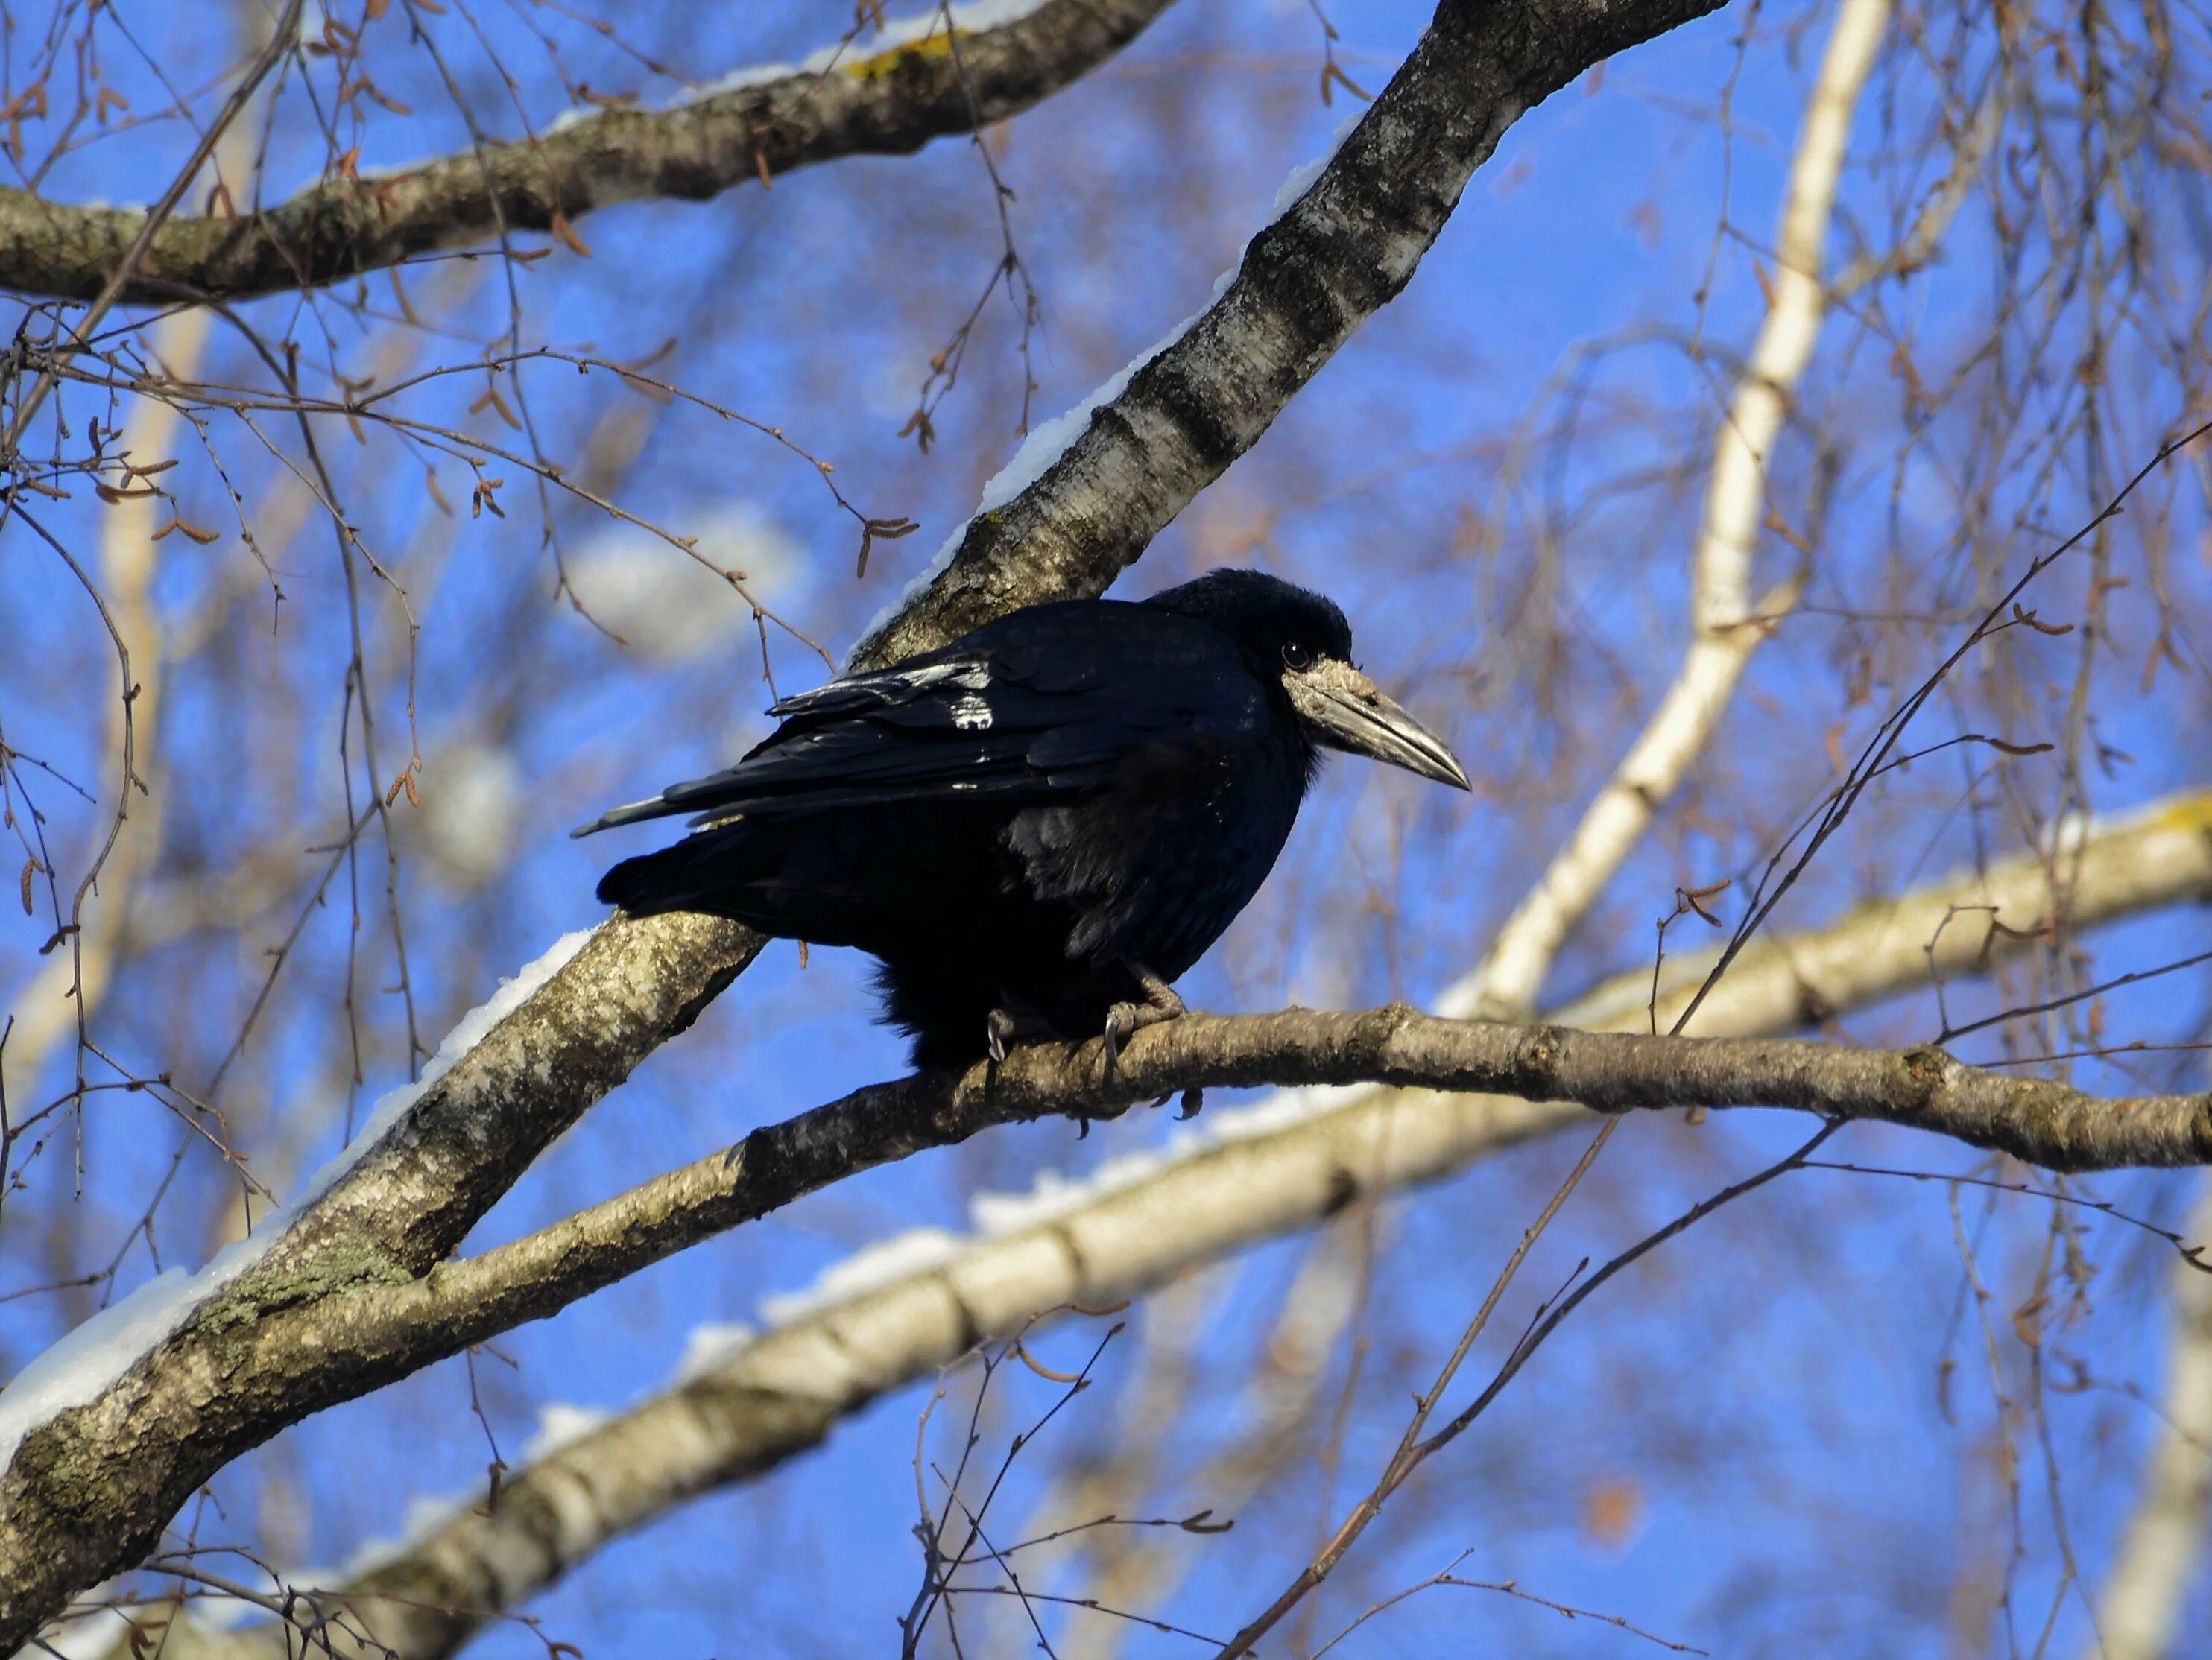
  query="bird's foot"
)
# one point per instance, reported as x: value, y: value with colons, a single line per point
x: 997, y: 1031
x: 1125, y: 1020
x: 1003, y: 1027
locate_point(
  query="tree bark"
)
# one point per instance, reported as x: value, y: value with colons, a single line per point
x: 885, y: 103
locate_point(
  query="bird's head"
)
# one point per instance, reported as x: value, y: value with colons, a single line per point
x: 1303, y: 637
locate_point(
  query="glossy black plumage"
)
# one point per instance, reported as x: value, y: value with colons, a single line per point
x: 1020, y: 820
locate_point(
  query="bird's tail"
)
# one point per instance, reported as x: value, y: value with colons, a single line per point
x: 702, y: 872
x: 643, y: 885
x: 738, y: 870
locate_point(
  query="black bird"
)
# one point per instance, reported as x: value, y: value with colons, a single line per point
x: 1037, y: 827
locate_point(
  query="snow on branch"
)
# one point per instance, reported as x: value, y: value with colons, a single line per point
x: 885, y: 96
x: 93, y: 1357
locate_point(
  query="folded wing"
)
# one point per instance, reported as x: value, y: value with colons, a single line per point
x: 1041, y: 705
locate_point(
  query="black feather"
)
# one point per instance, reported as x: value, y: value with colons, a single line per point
x: 1011, y: 821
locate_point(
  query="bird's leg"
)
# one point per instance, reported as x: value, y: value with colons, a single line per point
x: 1125, y: 1020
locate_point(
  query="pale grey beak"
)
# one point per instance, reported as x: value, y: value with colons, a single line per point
x: 1342, y: 709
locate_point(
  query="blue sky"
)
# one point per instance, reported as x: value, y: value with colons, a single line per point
x: 1498, y: 478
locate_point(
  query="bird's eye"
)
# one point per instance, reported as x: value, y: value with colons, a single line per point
x: 1297, y: 658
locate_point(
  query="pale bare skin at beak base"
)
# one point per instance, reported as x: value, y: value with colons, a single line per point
x: 1341, y: 709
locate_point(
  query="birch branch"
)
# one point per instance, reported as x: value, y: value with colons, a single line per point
x: 63, y: 995
x: 1255, y: 1174
x: 2162, y: 1551
x: 85, y: 1492
x: 1727, y: 628
x: 866, y: 102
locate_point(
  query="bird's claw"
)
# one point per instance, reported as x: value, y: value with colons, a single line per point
x: 1193, y: 1101
x: 1000, y: 1028
x: 1120, y: 1022
x: 1125, y: 1020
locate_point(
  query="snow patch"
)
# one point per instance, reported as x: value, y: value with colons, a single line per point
x: 1301, y: 178
x: 87, y: 1362
x: 705, y: 1347
x: 85, y: 1638
x: 425, y: 1515
x: 1053, y: 1195
x: 1044, y: 445
x: 560, y: 1424
x: 899, y: 32
x: 843, y: 54
x: 475, y: 1027
x: 901, y: 1256
x: 1052, y: 1198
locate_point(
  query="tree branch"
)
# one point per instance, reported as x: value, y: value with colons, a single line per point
x: 2161, y: 1551
x: 884, y: 103
x: 2038, y: 1121
x: 85, y: 1494
x: 1341, y: 252
x: 780, y: 1393
x: 234, y: 1378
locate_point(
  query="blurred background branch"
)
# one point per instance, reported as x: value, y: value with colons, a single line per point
x: 1821, y: 321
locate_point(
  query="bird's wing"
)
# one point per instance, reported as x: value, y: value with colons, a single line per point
x: 1038, y: 706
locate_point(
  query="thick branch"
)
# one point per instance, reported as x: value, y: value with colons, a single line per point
x: 229, y: 1379
x: 1343, y: 251
x: 2037, y: 1120
x: 879, y: 103
x: 87, y: 1495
